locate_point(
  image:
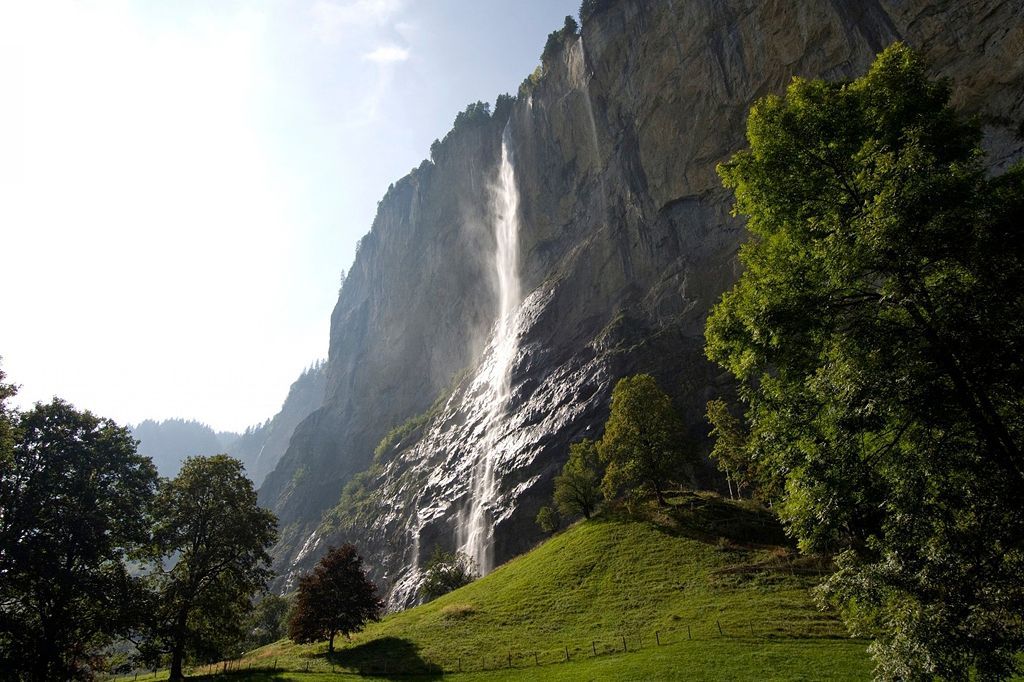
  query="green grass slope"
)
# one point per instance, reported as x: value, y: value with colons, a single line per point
x: 707, y: 589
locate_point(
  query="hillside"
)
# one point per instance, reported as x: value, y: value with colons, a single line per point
x: 614, y: 582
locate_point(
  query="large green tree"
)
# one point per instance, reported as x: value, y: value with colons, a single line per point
x: 877, y: 333
x: 214, y: 537
x: 643, y: 444
x: 74, y: 502
x: 335, y: 598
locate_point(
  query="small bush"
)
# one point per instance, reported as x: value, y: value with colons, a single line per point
x: 457, y: 611
x: 547, y: 519
x: 446, y: 571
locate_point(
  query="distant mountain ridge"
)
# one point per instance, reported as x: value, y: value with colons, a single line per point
x: 170, y: 441
x: 259, y: 447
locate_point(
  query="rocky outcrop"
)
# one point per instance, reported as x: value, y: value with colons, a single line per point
x: 625, y: 243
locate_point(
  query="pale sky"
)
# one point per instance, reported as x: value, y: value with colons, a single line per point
x: 182, y: 181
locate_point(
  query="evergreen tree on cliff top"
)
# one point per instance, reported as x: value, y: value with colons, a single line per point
x: 336, y: 598
x: 877, y: 333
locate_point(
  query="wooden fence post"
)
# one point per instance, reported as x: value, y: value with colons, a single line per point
x: 593, y: 647
x: 657, y: 637
x: 567, y: 653
x: 623, y: 642
x: 719, y: 624
x: 536, y: 660
x: 689, y: 635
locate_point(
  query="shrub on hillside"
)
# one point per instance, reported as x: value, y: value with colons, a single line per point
x: 446, y: 571
x: 547, y: 519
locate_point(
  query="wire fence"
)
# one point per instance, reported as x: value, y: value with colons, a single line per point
x: 407, y: 661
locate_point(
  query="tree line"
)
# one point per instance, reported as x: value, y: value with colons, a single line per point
x: 97, y: 552
x: 103, y: 564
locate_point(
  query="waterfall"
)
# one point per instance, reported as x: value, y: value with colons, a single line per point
x: 476, y: 529
x: 595, y: 145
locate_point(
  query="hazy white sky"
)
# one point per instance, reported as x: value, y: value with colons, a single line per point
x: 182, y: 181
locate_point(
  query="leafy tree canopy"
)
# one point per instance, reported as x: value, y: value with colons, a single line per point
x: 211, y: 529
x: 336, y: 597
x: 730, y: 449
x: 642, y: 447
x: 578, y: 488
x: 877, y: 334
x: 74, y: 502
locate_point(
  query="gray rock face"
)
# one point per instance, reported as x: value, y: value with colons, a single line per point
x: 625, y: 243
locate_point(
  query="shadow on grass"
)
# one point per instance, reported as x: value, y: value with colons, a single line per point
x: 710, y: 518
x: 387, y: 656
x: 247, y: 675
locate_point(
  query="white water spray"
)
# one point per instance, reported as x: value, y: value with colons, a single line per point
x: 476, y: 528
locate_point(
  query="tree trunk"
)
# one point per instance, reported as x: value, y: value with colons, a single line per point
x: 176, y: 660
x: 728, y: 480
x: 661, y: 496
x: 178, y: 647
x: 330, y: 644
x: 41, y: 669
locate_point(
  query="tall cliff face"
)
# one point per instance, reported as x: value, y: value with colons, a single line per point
x: 624, y: 243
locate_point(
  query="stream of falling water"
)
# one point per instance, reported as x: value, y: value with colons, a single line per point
x: 476, y: 528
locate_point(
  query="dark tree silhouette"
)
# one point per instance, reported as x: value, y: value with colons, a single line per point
x: 74, y: 497
x: 209, y: 519
x: 336, y: 598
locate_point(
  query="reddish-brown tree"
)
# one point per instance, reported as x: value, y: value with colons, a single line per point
x: 336, y: 598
